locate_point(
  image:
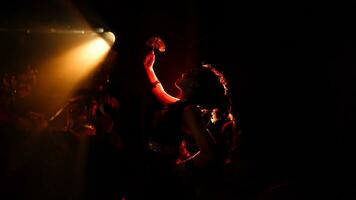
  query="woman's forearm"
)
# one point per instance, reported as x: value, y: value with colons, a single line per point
x: 157, y: 88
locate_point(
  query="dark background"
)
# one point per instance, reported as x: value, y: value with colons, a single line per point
x: 290, y: 67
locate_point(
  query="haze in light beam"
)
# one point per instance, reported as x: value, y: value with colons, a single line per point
x: 64, y: 72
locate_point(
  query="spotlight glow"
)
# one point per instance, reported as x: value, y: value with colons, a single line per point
x: 66, y: 71
x: 91, y: 53
x: 109, y: 37
x: 78, y: 62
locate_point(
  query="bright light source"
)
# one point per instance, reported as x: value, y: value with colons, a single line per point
x: 109, y: 37
x: 91, y: 53
x: 66, y: 71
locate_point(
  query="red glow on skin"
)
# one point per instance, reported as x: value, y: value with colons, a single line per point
x: 157, y: 90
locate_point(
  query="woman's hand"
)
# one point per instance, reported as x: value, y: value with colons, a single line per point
x: 149, y: 60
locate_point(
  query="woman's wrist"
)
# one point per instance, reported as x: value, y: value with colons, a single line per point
x: 150, y: 69
x: 155, y: 83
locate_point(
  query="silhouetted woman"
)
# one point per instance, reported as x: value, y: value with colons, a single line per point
x: 180, y: 138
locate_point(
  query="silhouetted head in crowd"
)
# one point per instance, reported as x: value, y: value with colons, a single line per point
x: 206, y: 87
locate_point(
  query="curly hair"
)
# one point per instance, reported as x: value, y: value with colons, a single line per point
x: 209, y: 88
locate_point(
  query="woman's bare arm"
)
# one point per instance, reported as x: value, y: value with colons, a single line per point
x: 203, y: 139
x: 157, y: 89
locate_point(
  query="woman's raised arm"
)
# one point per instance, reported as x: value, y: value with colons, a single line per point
x: 157, y: 88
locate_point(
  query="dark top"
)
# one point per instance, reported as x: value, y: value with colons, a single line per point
x: 164, y: 179
x: 167, y: 134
